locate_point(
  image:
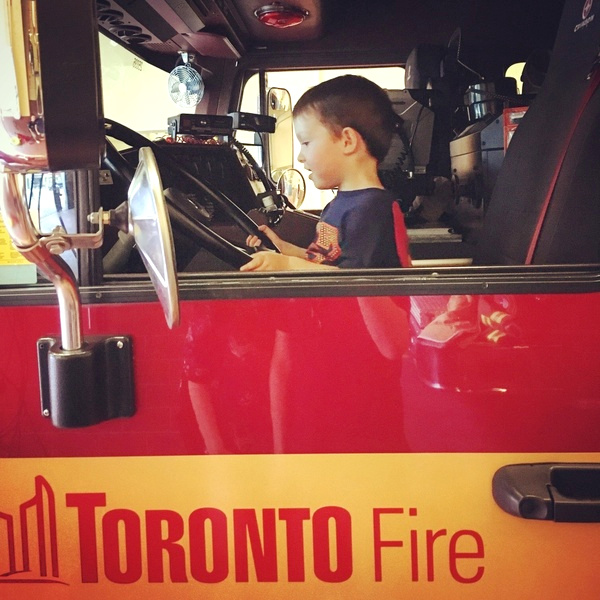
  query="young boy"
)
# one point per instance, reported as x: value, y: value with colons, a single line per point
x: 344, y: 127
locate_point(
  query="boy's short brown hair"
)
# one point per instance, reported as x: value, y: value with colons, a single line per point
x: 353, y: 101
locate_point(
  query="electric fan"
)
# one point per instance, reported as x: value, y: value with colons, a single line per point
x: 186, y: 87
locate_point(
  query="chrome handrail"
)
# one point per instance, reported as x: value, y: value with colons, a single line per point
x: 27, y: 240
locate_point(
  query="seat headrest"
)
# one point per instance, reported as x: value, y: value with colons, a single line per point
x: 425, y: 67
x: 534, y: 71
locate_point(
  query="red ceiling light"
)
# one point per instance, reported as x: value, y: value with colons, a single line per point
x: 280, y: 15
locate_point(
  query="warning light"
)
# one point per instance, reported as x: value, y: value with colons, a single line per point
x: 280, y: 15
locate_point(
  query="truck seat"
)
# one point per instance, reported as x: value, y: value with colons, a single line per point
x: 545, y: 207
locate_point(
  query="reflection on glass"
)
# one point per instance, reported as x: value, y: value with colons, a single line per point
x: 50, y: 200
x: 298, y: 375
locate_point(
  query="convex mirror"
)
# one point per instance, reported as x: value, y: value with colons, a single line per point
x: 281, y: 142
x: 292, y: 185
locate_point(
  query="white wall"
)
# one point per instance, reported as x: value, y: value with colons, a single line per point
x: 134, y: 92
x: 297, y: 82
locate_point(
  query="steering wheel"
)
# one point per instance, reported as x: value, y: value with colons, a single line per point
x: 183, y: 211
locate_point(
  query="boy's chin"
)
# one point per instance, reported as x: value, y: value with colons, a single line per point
x: 320, y: 184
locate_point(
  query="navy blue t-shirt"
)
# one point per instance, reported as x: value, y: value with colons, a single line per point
x: 356, y: 230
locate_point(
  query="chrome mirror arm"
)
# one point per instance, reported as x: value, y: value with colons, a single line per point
x: 29, y: 242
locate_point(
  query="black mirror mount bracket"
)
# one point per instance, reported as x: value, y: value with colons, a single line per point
x: 88, y: 386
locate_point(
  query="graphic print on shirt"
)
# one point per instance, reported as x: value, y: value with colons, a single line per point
x: 326, y: 247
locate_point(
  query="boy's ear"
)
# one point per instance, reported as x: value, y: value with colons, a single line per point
x: 351, y: 140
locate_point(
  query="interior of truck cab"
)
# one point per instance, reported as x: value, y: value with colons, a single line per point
x: 209, y: 87
x: 465, y: 197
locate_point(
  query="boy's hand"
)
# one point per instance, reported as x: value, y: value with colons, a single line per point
x: 253, y: 241
x: 271, y: 261
x: 267, y: 261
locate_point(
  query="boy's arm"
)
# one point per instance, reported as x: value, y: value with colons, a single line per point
x: 284, y: 247
x: 292, y: 257
x: 271, y: 261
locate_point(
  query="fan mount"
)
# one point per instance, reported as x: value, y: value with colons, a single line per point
x: 186, y: 87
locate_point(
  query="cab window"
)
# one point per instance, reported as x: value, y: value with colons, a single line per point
x: 296, y: 83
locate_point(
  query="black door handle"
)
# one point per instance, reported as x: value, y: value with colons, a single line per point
x: 565, y: 492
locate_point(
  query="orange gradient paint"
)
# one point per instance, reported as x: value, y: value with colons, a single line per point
x: 295, y: 527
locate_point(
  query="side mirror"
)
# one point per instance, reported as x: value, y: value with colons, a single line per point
x: 281, y: 142
x: 147, y: 220
x: 43, y: 79
x: 51, y: 120
x: 292, y: 185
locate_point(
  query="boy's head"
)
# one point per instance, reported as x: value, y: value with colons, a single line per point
x: 352, y: 101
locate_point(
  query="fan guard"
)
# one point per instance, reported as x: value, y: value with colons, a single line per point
x: 186, y: 87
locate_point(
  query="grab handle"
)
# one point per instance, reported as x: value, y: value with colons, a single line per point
x: 561, y: 492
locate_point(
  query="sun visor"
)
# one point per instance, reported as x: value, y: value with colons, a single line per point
x: 50, y: 98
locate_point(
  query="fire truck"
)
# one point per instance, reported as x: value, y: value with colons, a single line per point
x: 173, y: 427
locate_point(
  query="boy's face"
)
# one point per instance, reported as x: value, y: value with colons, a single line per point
x: 320, y: 151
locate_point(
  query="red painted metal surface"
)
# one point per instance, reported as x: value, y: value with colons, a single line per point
x: 421, y: 374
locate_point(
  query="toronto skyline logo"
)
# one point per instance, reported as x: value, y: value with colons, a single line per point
x: 28, y: 539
